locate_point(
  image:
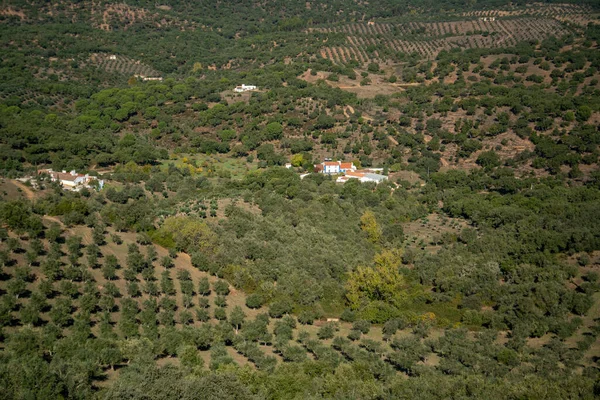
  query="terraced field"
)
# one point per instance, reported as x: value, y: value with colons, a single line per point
x: 367, y: 42
x: 123, y: 65
x: 378, y: 41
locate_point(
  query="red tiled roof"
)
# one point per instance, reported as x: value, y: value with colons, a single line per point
x: 331, y: 163
x: 65, y: 176
x: 62, y: 176
x: 346, y: 165
x: 353, y: 174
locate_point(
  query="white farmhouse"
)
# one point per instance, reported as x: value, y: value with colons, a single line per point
x: 244, y: 88
x: 72, y: 180
x: 362, y: 176
x: 148, y: 78
x: 335, y: 167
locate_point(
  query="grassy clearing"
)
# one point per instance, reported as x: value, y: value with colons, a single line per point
x: 214, y: 165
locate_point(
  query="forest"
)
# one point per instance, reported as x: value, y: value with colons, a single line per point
x: 211, y: 258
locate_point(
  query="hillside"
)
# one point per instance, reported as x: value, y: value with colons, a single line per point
x: 203, y: 253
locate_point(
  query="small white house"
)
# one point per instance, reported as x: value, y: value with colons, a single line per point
x: 331, y: 167
x: 148, y: 78
x: 335, y: 167
x: 244, y: 88
x: 72, y: 180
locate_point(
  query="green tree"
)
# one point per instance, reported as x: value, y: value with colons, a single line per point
x: 254, y: 301
x: 236, y: 318
x: 128, y: 325
x: 166, y: 283
x: 204, y: 286
x: 583, y: 113
x: 327, y: 331
x: 220, y: 314
x: 61, y: 311
x: 221, y: 287
x: 109, y: 268
x: 167, y: 262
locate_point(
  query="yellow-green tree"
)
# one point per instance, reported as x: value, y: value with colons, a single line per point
x: 380, y: 282
x: 297, y: 160
x: 369, y: 225
x: 191, y: 234
x: 197, y: 67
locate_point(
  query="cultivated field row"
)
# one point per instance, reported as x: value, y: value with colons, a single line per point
x: 123, y: 65
x: 534, y: 9
x: 365, y: 41
x: 435, y: 29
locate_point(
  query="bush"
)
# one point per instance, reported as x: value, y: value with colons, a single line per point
x: 280, y: 308
x: 390, y: 327
x: 167, y: 262
x: 202, y: 315
x: 200, y: 261
x: 221, y: 287
x: 348, y: 315
x: 116, y: 239
x: 220, y: 314
x: 362, y: 326
x: 220, y: 301
x: 254, y: 301
x: 306, y: 317
x: 143, y: 239
x: 327, y: 331
x: 354, y: 335
x: 373, y: 67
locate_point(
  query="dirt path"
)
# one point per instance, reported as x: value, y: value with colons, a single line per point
x: 348, y: 110
x: 26, y: 189
x: 31, y: 196
x: 53, y: 219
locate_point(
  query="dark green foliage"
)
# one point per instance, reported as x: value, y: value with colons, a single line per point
x: 327, y: 331
x: 354, y: 334
x: 279, y: 308
x: 220, y: 314
x: 489, y: 249
x: 362, y: 326
x: 204, y: 287
x: 221, y: 288
x: 254, y: 300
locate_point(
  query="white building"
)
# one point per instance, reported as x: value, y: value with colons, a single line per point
x: 335, y: 167
x: 72, y: 180
x: 362, y: 176
x: 148, y: 78
x: 244, y: 88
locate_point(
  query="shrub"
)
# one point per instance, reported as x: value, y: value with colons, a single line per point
x: 327, y: 331
x: 254, y: 301
x: 362, y: 326
x: 280, y: 308
x: 348, y: 315
x: 354, y: 335
x: 220, y: 314
x: 221, y: 287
